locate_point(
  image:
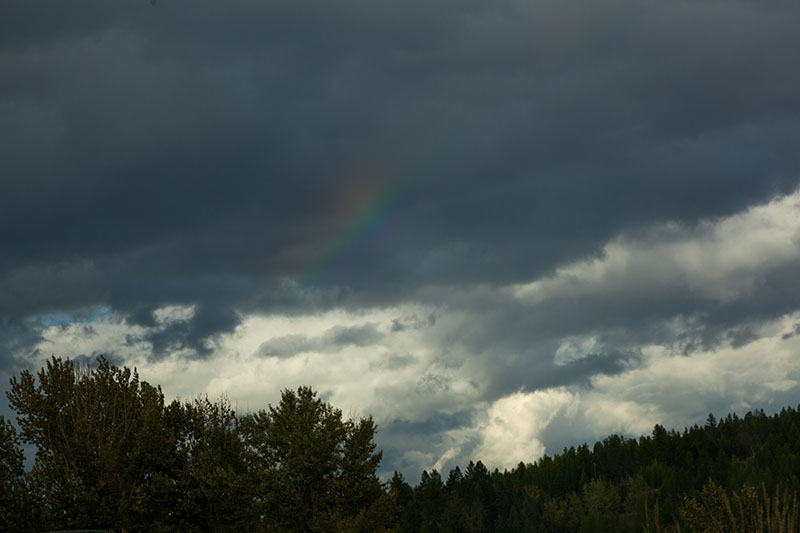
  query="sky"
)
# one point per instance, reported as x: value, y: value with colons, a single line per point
x: 498, y: 228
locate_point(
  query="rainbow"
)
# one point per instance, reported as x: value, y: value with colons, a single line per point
x: 366, y: 213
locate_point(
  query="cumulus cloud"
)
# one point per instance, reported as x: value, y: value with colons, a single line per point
x: 515, y: 425
x: 722, y: 260
x: 732, y: 377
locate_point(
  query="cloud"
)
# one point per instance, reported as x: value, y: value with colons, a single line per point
x: 231, y: 156
x: 333, y: 339
x: 429, y: 211
x: 434, y: 411
x: 721, y: 260
x: 716, y: 279
x: 726, y: 378
x: 195, y: 334
x: 515, y: 423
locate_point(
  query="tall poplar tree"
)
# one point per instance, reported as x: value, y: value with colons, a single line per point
x: 102, y: 443
x: 317, y: 471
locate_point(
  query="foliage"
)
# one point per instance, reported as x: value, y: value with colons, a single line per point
x: 17, y: 509
x: 316, y: 471
x: 111, y: 454
x: 99, y: 439
x: 715, y: 513
x: 214, y: 480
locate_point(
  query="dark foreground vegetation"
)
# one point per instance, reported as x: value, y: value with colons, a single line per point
x: 110, y: 453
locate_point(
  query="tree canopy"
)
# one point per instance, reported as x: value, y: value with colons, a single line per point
x: 110, y: 453
x: 316, y: 470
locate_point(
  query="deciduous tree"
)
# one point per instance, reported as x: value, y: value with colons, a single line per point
x: 317, y: 471
x: 16, y: 506
x: 100, y: 437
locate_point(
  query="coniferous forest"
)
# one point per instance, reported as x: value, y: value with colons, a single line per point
x: 112, y: 454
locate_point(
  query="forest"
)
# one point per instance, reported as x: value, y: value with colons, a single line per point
x: 111, y: 453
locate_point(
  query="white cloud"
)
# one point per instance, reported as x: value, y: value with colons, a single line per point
x: 515, y: 425
x: 577, y: 347
x: 727, y: 378
x: 400, y: 375
x: 170, y: 314
x: 722, y: 260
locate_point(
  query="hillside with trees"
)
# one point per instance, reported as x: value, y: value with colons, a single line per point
x: 111, y: 453
x: 738, y: 474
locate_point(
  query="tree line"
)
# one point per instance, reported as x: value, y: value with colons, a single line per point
x: 740, y: 474
x: 111, y: 453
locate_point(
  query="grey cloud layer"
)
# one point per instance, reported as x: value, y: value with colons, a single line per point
x: 331, y: 340
x: 209, y: 139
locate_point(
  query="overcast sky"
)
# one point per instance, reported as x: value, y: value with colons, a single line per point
x: 498, y: 227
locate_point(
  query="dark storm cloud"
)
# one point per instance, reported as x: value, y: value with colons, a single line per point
x: 205, y: 152
x: 398, y: 437
x: 195, y: 333
x: 519, y: 347
x: 14, y: 335
x: 414, y: 322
